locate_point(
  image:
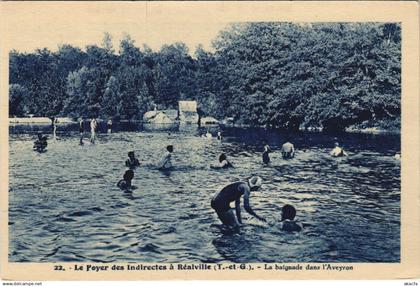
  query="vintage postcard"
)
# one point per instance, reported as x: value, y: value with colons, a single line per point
x: 209, y: 140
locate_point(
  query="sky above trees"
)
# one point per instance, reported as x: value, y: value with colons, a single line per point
x: 51, y: 26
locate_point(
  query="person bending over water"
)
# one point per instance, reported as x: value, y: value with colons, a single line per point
x: 265, y: 156
x: 223, y: 163
x: 288, y: 222
x: 288, y: 150
x: 338, y: 151
x: 166, y: 162
x: 41, y: 143
x: 233, y: 193
x: 125, y: 183
x: 132, y: 161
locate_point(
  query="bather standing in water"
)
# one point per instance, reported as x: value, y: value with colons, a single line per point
x: 265, y: 156
x: 109, y: 125
x: 132, y: 162
x: 54, y: 122
x: 93, y: 125
x: 288, y: 150
x: 219, y: 136
x: 233, y: 193
x: 166, y: 162
x: 81, y: 130
x: 223, y: 163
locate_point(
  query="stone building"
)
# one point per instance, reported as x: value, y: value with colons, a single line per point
x: 188, y: 112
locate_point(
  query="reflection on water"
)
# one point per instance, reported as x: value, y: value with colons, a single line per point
x: 64, y: 204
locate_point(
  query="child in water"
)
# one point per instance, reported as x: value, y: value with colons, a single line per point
x: 132, y: 162
x: 288, y: 222
x: 125, y: 183
x: 223, y: 163
x: 166, y: 163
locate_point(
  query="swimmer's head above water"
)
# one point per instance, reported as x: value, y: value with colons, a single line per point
x: 255, y: 183
x: 131, y: 154
x: 222, y: 157
x: 288, y: 212
x: 170, y: 148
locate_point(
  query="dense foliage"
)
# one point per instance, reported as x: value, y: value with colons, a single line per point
x: 327, y: 75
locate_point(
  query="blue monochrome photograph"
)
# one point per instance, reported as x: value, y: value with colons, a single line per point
x: 264, y: 142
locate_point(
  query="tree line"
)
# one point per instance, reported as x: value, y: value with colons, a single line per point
x: 283, y: 75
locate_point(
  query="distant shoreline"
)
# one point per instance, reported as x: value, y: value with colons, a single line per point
x: 66, y: 120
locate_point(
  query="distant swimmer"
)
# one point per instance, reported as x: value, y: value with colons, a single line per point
x: 109, y: 126
x: 288, y: 222
x: 223, y: 163
x: 265, y: 156
x: 219, y: 135
x: 288, y: 150
x: 81, y: 130
x: 54, y: 123
x: 125, y: 183
x: 132, y: 161
x: 208, y: 135
x: 233, y: 193
x: 93, y: 126
x: 338, y: 151
x: 41, y: 143
x: 166, y: 161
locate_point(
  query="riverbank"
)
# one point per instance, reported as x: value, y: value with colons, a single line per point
x: 376, y: 127
x: 350, y: 129
x: 39, y: 120
x: 367, y: 127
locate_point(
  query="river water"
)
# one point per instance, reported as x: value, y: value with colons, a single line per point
x: 64, y: 204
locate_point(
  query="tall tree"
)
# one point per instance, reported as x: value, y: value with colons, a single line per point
x: 17, y: 98
x: 111, y: 99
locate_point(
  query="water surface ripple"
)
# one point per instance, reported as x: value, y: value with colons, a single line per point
x: 64, y: 204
